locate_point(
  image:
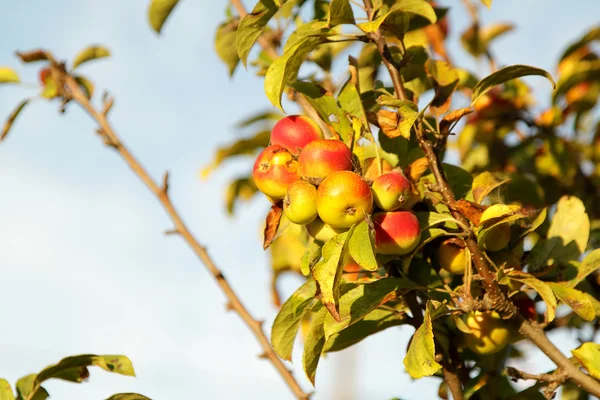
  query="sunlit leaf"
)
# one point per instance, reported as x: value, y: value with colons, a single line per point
x: 583, y: 71
x: 6, y: 392
x: 571, y: 226
x: 588, y: 355
x: 286, y: 324
x: 504, y: 75
x: 399, y: 15
x: 11, y: 119
x: 159, y: 11
x: 399, y: 123
x: 252, y: 26
x: 225, y: 45
x: 8, y: 75
x: 340, y: 12
x: 239, y: 189
x: 311, y: 257
x: 484, y: 183
x: 591, y: 36
x: 272, y: 224
x: 361, y: 246
x: 577, y: 301
x: 26, y: 389
x: 590, y: 264
x: 90, y: 53
x: 541, y: 287
x: 246, y: 146
x: 314, y: 343
x: 420, y: 357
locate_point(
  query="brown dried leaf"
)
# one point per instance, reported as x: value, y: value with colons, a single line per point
x: 415, y: 170
x: 452, y: 117
x: 388, y: 122
x: 272, y: 224
x: 34, y: 55
x: 470, y: 210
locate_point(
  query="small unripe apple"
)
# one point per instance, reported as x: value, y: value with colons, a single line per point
x: 497, y: 238
x: 321, y: 158
x: 453, y: 256
x: 525, y: 305
x: 343, y: 199
x: 489, y: 333
x: 294, y: 132
x: 322, y: 232
x: 300, y: 203
x: 396, y: 232
x: 391, y: 191
x: 274, y: 170
x: 370, y: 170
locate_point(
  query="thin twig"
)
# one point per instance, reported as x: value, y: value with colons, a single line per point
x: 161, y: 193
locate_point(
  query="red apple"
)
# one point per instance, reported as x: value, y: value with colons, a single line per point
x: 391, y: 191
x: 343, y: 199
x: 294, y: 132
x: 320, y: 158
x: 274, y: 170
x: 396, y: 232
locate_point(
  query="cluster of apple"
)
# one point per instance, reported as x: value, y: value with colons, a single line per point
x: 318, y: 183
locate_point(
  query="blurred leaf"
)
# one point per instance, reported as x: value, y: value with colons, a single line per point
x: 328, y: 272
x: 376, y: 321
x: 588, y: 355
x: 484, y: 183
x: 8, y: 75
x: 252, y: 26
x: 591, y: 36
x: 583, y: 71
x: 33, y: 56
x: 6, y: 392
x: 577, y: 301
x: 537, y: 222
x: 247, y: 146
x: 90, y: 53
x: 266, y: 116
x: 493, y: 31
x: 350, y: 101
x: 285, y: 68
x: 571, y: 225
x: 487, y: 3
x: 453, y: 117
x: 272, y: 224
x: 398, y: 16
x: 361, y: 246
x: 11, y: 118
x: 239, y: 189
x: 445, y: 80
x: 541, y: 287
x: 313, y: 345
x: 420, y: 357
x: 285, y: 326
x: 570, y: 391
x: 340, y: 12
x: 225, y: 44
x: 26, y: 386
x: 128, y: 396
x: 86, y: 85
x: 289, y: 247
x: 358, y: 300
x: 506, y: 74
x: 460, y: 181
x: 159, y: 11
x: 66, y: 368
x: 590, y: 263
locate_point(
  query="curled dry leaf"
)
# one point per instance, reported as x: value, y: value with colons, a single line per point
x: 416, y: 169
x: 452, y: 117
x: 470, y: 210
x: 272, y: 224
x: 388, y: 122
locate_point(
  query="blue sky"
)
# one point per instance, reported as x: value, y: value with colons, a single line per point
x: 85, y: 266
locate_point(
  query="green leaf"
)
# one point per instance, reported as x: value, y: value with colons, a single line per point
x: 577, y: 301
x: 285, y: 68
x: 285, y: 326
x: 398, y: 16
x: 571, y: 226
x: 506, y: 74
x: 588, y: 355
x: 311, y: 256
x: 537, y: 222
x: 8, y: 75
x: 590, y: 263
x: 225, y: 45
x: 376, y: 321
x: 340, y: 12
x: 328, y: 272
x: 325, y: 105
x: 420, y: 357
x: 484, y: 183
x: 6, y: 392
x: 359, y: 300
x: 541, y: 287
x: 128, y: 396
x: 490, y: 32
x: 591, y: 36
x: 252, y: 26
x: 159, y: 11
x: 361, y: 246
x: 460, y: 181
x: 11, y: 119
x: 313, y: 346
x: 350, y: 101
x: 26, y: 386
x: 90, y: 53
x: 68, y: 367
x: 428, y: 219
x: 246, y: 146
x: 239, y: 189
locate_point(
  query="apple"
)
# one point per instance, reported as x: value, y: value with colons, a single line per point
x: 343, y: 199
x: 370, y: 170
x: 300, y: 202
x: 321, y: 158
x: 274, y: 170
x: 322, y: 232
x: 44, y: 75
x: 351, y: 271
x: 497, y: 238
x: 294, y: 132
x: 489, y: 333
x: 396, y: 232
x: 453, y: 256
x: 525, y: 305
x: 391, y: 191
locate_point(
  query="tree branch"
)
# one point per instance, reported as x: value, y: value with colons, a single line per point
x: 161, y: 193
x: 553, y: 380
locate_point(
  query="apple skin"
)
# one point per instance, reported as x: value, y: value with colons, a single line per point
x: 322, y: 232
x: 391, y: 191
x: 497, y: 238
x: 274, y: 170
x: 300, y: 203
x: 453, y: 257
x: 525, y: 305
x: 370, y: 170
x: 343, y: 199
x: 351, y: 271
x: 294, y: 132
x: 396, y: 232
x: 489, y: 333
x: 321, y: 158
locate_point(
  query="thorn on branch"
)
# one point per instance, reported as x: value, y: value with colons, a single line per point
x: 263, y: 355
x: 107, y: 102
x: 229, y: 306
x: 169, y: 232
x: 165, y: 183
